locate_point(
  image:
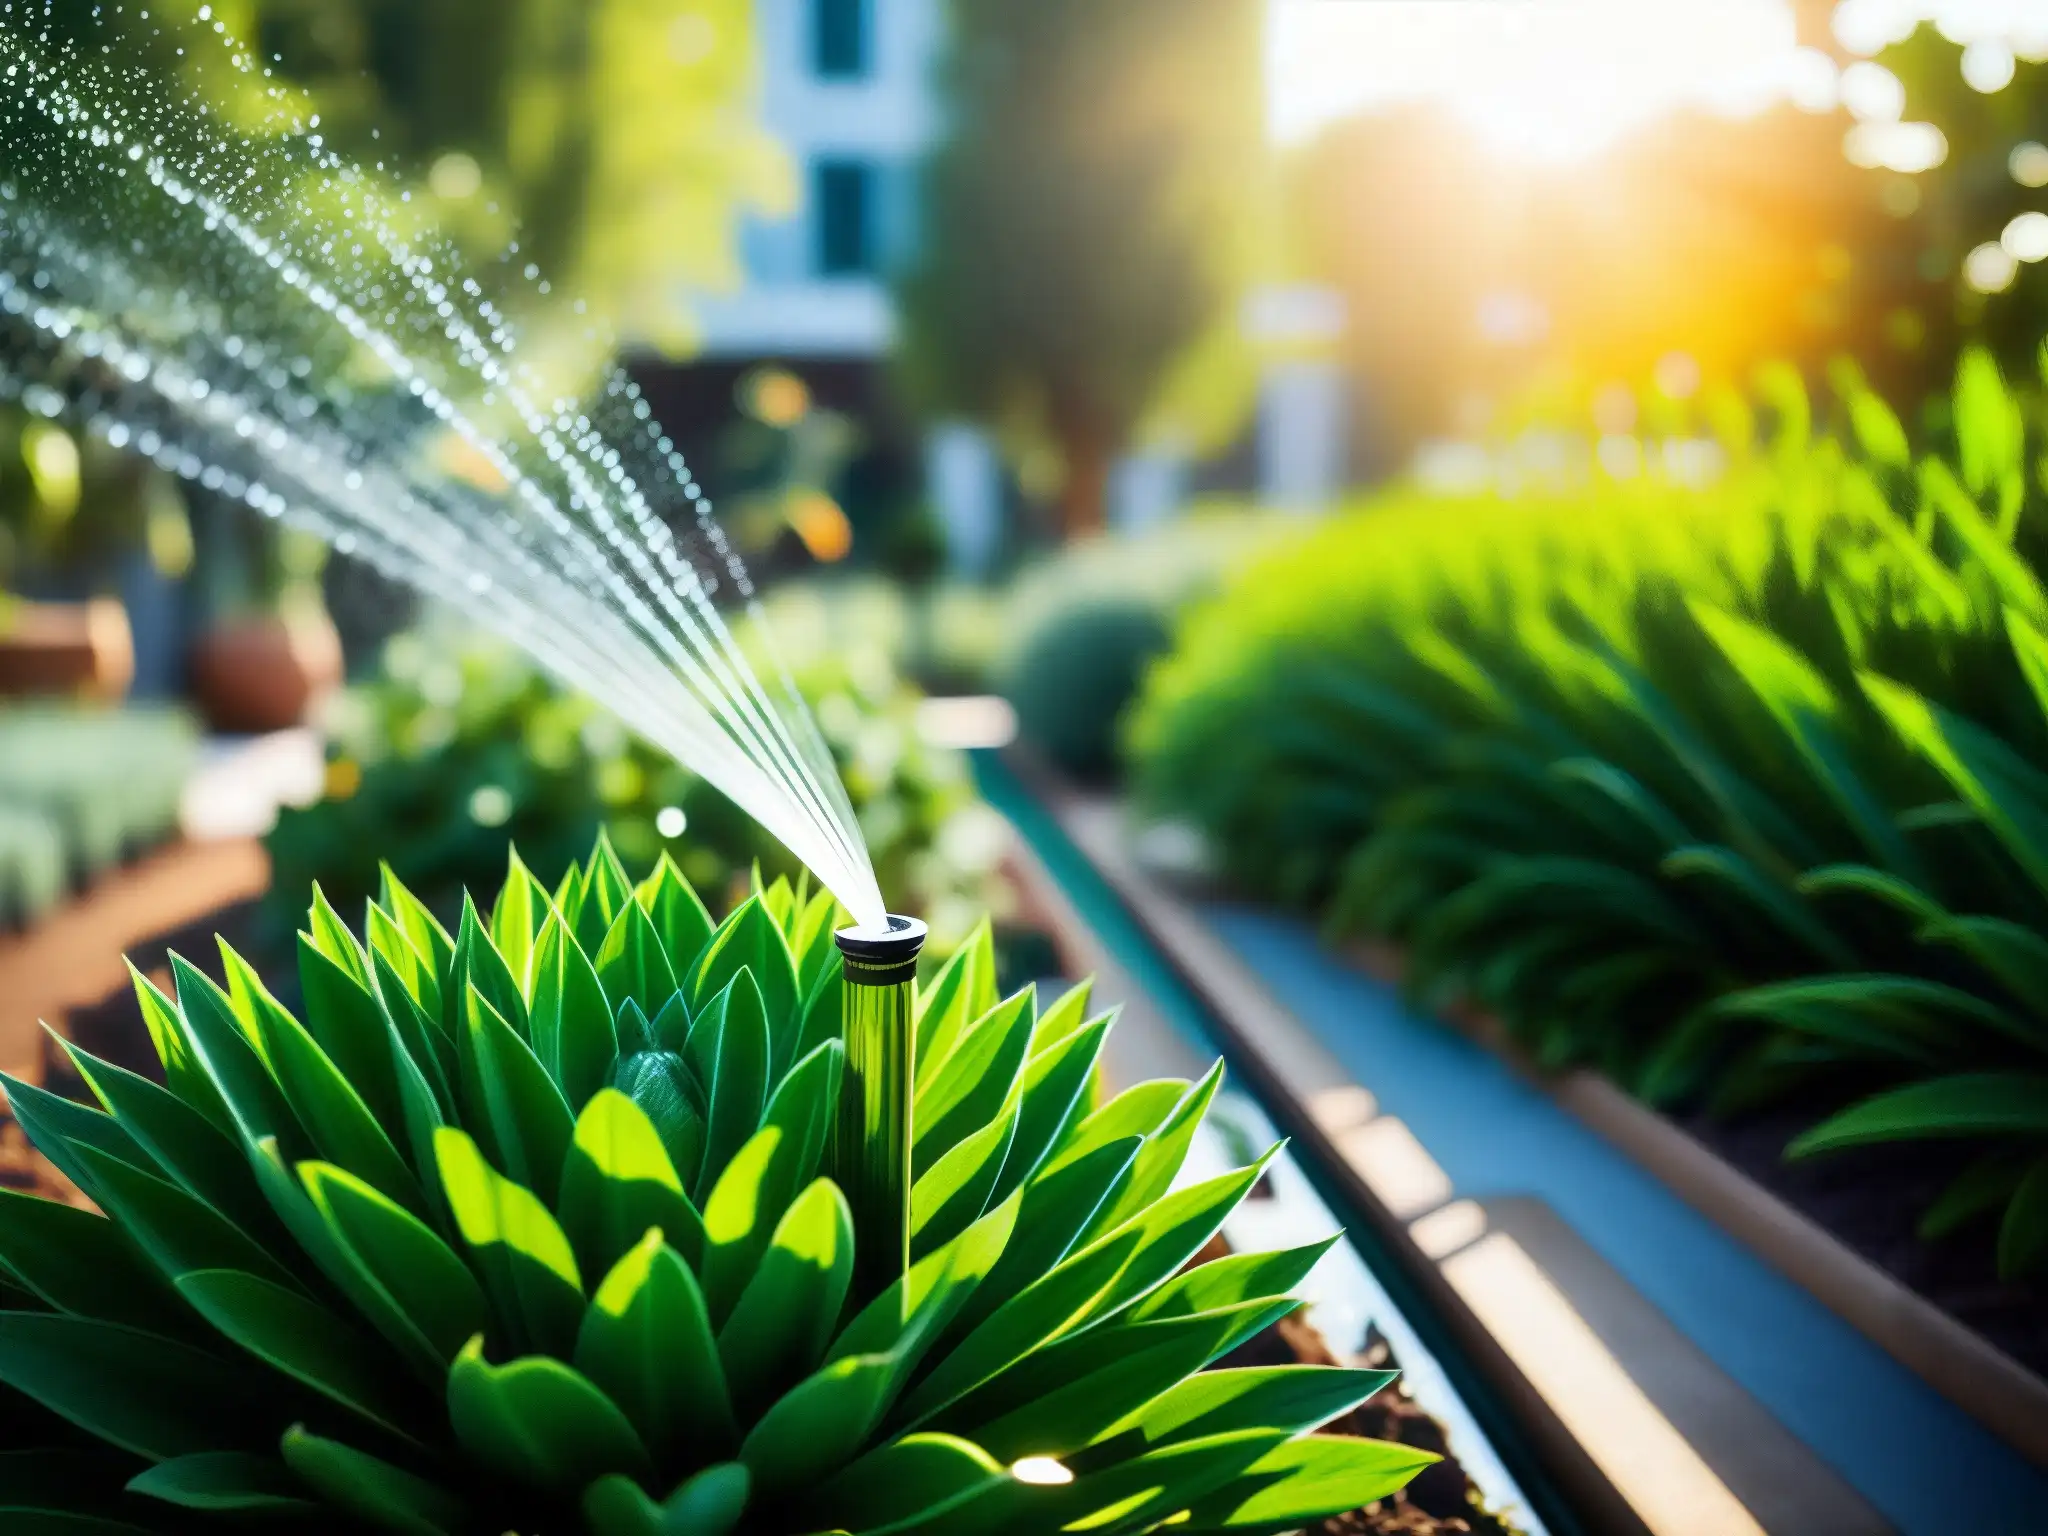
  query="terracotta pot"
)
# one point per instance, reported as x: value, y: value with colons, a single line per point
x: 265, y: 673
x: 66, y: 648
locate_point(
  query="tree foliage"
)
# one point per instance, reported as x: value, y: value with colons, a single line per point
x: 1085, y: 220
x: 612, y: 139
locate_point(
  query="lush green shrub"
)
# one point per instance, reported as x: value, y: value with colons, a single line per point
x: 531, y: 1227
x: 1084, y: 624
x: 1729, y: 791
x: 461, y: 748
x: 1072, y: 680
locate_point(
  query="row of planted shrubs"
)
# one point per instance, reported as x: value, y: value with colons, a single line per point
x: 81, y: 788
x: 531, y: 1226
x: 1736, y: 793
x: 457, y: 746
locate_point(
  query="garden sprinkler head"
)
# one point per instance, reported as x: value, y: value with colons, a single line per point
x: 872, y: 1151
x: 881, y: 954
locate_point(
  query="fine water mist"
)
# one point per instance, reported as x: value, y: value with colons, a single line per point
x: 237, y: 302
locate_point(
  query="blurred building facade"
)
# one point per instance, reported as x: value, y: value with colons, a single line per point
x: 849, y: 89
x: 846, y: 87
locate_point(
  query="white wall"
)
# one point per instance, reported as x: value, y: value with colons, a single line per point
x: 886, y: 117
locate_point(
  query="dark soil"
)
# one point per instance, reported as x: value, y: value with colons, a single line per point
x: 112, y: 1029
x: 1872, y: 1199
x: 1442, y: 1500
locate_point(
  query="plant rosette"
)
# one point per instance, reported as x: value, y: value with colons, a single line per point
x: 531, y: 1227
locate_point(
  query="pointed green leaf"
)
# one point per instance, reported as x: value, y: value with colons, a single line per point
x: 184, y: 1074
x: 1137, y: 1111
x: 134, y: 1390
x: 968, y: 1089
x: 1056, y: 1402
x: 646, y: 1342
x: 421, y: 928
x: 730, y: 1050
x: 177, y: 1231
x: 299, y: 1337
x: 750, y: 939
x: 818, y: 1426
x: 183, y: 1144
x: 227, y: 1482
x: 1062, y: 1018
x: 412, y: 969
x: 540, y: 1422
x: 604, y: 890
x: 516, y: 919
x: 1300, y: 1482
x: 84, y: 1264
x: 953, y: 1193
x: 679, y: 916
x: 1236, y: 1278
x: 1165, y: 1149
x: 341, y: 1124
x: 1055, y: 1098
x: 618, y: 1181
x: 810, y: 940
x: 631, y: 962
x: 510, y: 1101
x: 779, y: 1328
x: 527, y: 1264
x: 419, y: 1038
x: 915, y: 1477
x: 430, y: 1291
x: 824, y: 1007
x: 1963, y: 1104
x: 348, y: 1021
x: 572, y: 1018
x: 1286, y: 1397
x: 478, y: 964
x: 388, y: 1498
x: 1136, y: 1495
x: 949, y: 1004
x: 233, y: 1060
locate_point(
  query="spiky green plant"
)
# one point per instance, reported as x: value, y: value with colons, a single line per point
x: 530, y: 1228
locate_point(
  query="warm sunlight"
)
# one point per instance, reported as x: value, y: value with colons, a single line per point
x: 1551, y: 80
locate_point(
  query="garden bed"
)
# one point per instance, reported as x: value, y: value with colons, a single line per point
x: 1843, y: 1226
x: 1744, y: 1400
x: 1868, y: 1199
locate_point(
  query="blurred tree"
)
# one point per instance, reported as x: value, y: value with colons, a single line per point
x: 614, y: 138
x: 1473, y: 279
x: 1477, y: 282
x: 1087, y: 223
x: 1968, y: 202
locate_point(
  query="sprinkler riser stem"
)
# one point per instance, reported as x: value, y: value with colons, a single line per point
x: 873, y: 1137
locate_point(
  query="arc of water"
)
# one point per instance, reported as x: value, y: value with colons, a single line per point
x: 611, y: 606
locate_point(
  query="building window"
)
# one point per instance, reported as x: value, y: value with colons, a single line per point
x: 839, y: 39
x: 844, y: 196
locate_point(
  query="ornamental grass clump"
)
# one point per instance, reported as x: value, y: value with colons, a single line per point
x: 531, y: 1228
x: 1733, y: 792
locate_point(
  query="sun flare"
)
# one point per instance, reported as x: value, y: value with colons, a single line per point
x: 1546, y: 80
